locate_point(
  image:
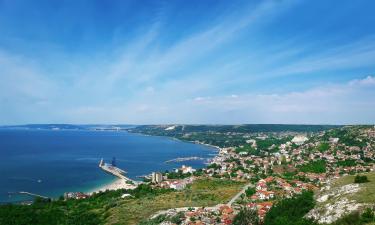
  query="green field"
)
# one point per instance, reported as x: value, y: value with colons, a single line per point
x: 206, y: 192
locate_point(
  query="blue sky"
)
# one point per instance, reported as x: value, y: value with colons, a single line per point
x: 212, y: 61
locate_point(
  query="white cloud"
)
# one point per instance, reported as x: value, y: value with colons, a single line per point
x: 368, y: 81
x: 352, y: 102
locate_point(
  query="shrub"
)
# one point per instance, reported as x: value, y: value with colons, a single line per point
x: 360, y: 179
x: 368, y: 216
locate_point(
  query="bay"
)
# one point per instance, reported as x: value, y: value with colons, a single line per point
x: 51, y: 162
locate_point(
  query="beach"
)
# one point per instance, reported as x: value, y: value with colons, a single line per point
x: 115, y: 185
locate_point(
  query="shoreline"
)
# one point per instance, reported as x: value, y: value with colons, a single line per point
x: 117, y: 184
x: 216, y: 148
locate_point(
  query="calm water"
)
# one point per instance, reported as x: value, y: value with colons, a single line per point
x: 53, y: 162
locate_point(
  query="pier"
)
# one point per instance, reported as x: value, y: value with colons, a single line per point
x: 29, y: 193
x: 115, y: 171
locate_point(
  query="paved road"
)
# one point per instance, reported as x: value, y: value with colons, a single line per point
x: 239, y: 194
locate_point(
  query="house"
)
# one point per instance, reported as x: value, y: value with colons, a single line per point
x: 126, y: 195
x: 177, y: 185
x: 265, y: 195
x: 185, y: 169
x: 333, y: 140
x: 74, y: 195
x: 261, y: 186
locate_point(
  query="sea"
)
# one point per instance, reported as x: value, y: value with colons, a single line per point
x: 51, y: 162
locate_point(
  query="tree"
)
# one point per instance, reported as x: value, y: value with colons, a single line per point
x: 291, y: 211
x: 250, y: 191
x: 246, y: 216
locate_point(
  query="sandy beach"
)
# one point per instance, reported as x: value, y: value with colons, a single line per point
x: 115, y: 185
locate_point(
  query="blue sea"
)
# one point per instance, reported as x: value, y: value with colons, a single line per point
x: 51, y: 162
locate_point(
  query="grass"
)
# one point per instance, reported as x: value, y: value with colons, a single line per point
x: 204, y: 192
x: 367, y: 191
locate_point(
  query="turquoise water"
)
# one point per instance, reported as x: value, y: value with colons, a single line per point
x: 50, y: 162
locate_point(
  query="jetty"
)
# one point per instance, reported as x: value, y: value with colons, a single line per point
x: 30, y: 194
x: 183, y: 159
x: 112, y: 169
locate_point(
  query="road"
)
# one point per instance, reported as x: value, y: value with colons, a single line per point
x: 239, y: 194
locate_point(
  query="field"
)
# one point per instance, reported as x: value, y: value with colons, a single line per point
x: 206, y: 192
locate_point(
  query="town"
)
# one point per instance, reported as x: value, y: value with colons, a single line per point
x: 288, y: 166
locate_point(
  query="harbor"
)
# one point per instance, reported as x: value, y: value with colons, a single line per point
x: 76, y: 168
x: 123, y: 182
x: 112, y: 169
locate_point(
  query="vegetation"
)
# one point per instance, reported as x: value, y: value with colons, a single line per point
x: 318, y: 166
x: 355, y: 218
x: 176, y: 219
x: 347, y: 162
x: 246, y: 216
x: 204, y: 192
x: 248, y: 149
x: 323, y: 147
x: 291, y: 211
x: 109, y: 208
x: 250, y: 191
x: 266, y: 145
x: 360, y: 179
x: 224, y: 135
x: 178, y: 175
x: 86, y: 211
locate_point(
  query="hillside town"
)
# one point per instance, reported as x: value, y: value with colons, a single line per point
x: 282, y: 170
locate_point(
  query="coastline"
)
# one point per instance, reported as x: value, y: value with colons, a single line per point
x: 114, y: 185
x: 105, y: 182
x: 119, y: 183
x: 217, y: 148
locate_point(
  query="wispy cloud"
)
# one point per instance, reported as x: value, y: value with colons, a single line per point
x: 327, y: 104
x: 216, y: 70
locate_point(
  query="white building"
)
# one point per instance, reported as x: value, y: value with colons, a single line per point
x: 334, y: 140
x: 156, y: 177
x: 299, y: 139
x: 177, y: 185
x: 185, y: 169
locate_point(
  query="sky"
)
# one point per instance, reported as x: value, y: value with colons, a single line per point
x: 190, y: 62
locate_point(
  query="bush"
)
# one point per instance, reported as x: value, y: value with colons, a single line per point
x: 350, y: 219
x: 368, y: 216
x: 360, y: 179
x: 356, y: 219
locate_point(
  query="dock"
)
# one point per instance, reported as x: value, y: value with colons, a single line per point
x: 113, y: 170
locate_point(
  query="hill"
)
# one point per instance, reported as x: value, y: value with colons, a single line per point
x: 342, y: 197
